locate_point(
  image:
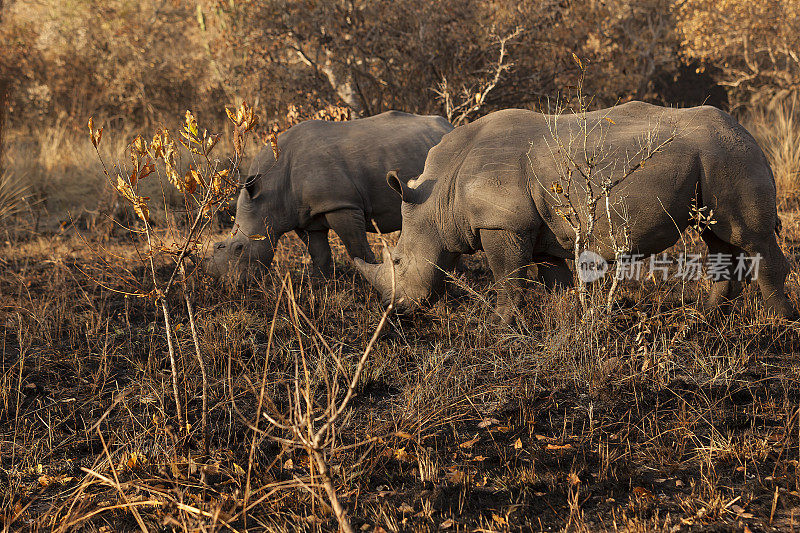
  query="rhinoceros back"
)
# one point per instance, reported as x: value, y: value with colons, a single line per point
x: 342, y: 165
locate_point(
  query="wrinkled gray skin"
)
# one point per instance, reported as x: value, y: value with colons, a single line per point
x: 329, y: 176
x: 485, y: 187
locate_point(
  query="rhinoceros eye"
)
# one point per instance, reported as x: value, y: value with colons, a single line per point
x: 238, y: 247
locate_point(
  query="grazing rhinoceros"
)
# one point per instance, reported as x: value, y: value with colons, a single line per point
x: 493, y: 185
x: 329, y: 175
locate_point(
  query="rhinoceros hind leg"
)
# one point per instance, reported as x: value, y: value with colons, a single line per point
x: 726, y: 286
x: 509, y: 255
x: 351, y: 227
x: 554, y: 273
x: 320, y: 251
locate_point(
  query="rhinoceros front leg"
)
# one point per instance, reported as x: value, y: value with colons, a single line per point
x: 320, y: 251
x: 554, y: 273
x: 772, y: 271
x: 509, y: 255
x: 773, y: 267
x: 351, y: 227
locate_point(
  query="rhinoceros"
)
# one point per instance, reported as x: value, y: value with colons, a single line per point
x: 328, y: 176
x: 496, y: 185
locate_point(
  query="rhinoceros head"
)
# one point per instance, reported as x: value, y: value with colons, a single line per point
x: 412, y: 273
x: 259, y: 223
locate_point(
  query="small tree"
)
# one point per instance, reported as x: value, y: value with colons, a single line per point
x: 589, y: 171
x: 206, y: 186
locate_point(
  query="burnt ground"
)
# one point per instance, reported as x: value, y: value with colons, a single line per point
x: 654, y: 418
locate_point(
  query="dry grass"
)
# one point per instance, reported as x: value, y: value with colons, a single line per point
x: 777, y: 129
x: 12, y: 195
x: 64, y: 179
x: 653, y: 418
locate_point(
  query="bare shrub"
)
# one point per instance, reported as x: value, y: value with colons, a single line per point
x: 206, y: 186
x: 589, y: 173
x: 467, y: 103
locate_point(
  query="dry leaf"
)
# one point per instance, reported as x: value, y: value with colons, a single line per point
x: 517, y: 444
x: 140, y: 145
x: 135, y: 459
x: 148, y: 169
x: 191, y: 126
x: 574, y: 479
x: 405, y: 508
x: 401, y: 455
x: 273, y: 142
x: 559, y: 447
x: 94, y: 136
x: 231, y: 115
x: 486, y: 422
x: 469, y: 443
x: 740, y: 512
x: 447, y: 524
x: 141, y: 209
x: 455, y: 476
x: 499, y: 520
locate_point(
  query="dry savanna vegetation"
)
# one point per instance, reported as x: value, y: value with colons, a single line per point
x: 137, y: 395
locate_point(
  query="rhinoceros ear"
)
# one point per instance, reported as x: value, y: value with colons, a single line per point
x: 252, y: 185
x: 399, y: 186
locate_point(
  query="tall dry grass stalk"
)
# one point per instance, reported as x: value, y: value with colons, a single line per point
x: 776, y: 127
x: 12, y: 195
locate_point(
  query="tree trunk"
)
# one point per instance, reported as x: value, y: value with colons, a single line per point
x: 341, y: 83
x: 3, y: 113
x: 343, y: 86
x: 4, y: 89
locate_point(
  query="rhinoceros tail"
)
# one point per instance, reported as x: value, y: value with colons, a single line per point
x: 778, y: 221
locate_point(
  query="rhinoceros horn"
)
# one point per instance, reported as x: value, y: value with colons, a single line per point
x: 369, y: 271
